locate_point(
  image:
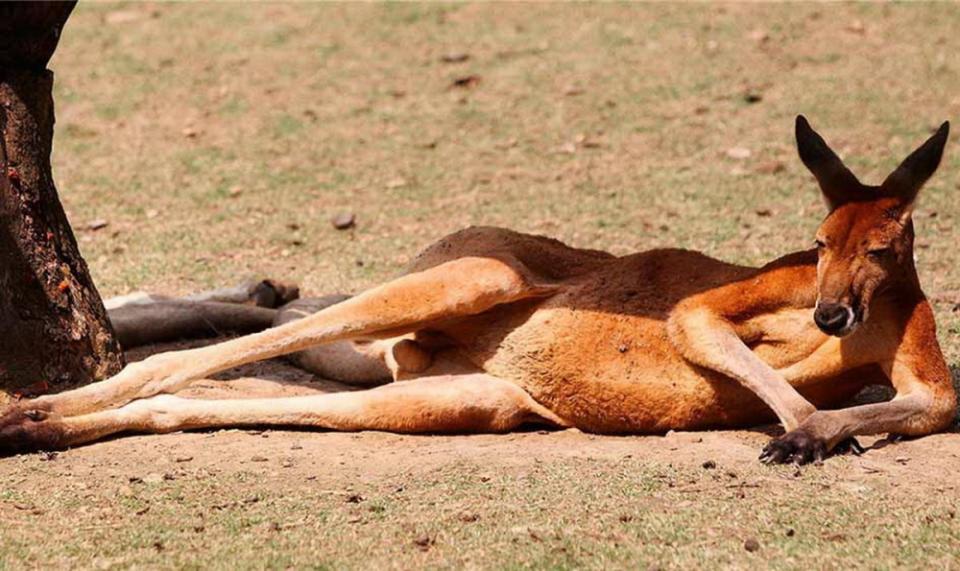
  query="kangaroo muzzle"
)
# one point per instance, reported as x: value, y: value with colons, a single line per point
x: 835, y: 319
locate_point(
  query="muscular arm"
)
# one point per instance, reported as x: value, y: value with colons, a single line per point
x: 708, y: 331
x: 711, y: 341
x: 925, y: 401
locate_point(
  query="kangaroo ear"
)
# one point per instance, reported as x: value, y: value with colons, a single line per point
x: 837, y: 183
x: 906, y: 181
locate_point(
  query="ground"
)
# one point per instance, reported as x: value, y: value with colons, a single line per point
x: 216, y: 141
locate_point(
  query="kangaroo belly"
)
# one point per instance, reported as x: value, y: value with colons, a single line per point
x: 619, y: 372
x: 601, y: 372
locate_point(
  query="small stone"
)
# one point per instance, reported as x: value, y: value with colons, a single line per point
x: 97, y: 224
x: 709, y: 465
x: 760, y: 36
x: 738, y: 153
x: 573, y: 91
x: 751, y: 544
x: 454, y: 57
x: 122, y: 16
x: 398, y: 182
x: 790, y: 532
x: 182, y: 459
x: 235, y: 191
x: 468, y: 517
x: 857, y: 27
x: 189, y: 132
x: 590, y: 143
x: 771, y: 167
x: 466, y: 82
x: 901, y: 459
x: 259, y: 459
x: 423, y: 542
x: 152, y: 478
x: 354, y: 499
x: 343, y: 221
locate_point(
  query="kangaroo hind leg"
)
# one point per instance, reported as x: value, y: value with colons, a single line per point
x: 473, y: 403
x: 141, y: 319
x: 405, y: 305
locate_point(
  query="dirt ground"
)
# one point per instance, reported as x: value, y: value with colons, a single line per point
x: 217, y: 140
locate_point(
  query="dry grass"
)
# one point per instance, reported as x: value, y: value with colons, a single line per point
x: 218, y: 139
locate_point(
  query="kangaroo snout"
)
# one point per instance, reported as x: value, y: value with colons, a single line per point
x: 834, y: 318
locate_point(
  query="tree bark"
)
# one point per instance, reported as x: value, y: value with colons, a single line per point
x: 54, y: 331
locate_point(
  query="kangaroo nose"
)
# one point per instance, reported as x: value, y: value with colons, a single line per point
x: 832, y: 318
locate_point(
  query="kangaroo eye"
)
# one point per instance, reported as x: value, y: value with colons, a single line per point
x: 819, y: 244
x: 879, y: 253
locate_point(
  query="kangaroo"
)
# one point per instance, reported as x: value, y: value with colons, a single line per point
x: 491, y: 329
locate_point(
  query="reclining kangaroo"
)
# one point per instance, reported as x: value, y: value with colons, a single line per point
x: 491, y: 329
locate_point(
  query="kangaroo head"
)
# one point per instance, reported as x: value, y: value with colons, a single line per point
x: 865, y: 244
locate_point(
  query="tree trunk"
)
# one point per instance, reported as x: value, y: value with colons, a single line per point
x: 54, y: 331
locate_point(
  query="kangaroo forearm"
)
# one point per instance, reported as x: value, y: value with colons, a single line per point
x: 710, y: 342
x: 790, y: 406
x: 914, y: 414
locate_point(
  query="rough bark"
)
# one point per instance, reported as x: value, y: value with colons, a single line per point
x: 54, y: 331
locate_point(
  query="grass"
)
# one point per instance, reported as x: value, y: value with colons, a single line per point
x: 218, y: 139
x: 615, y: 513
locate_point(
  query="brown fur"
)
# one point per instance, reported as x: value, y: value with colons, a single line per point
x: 537, y: 330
